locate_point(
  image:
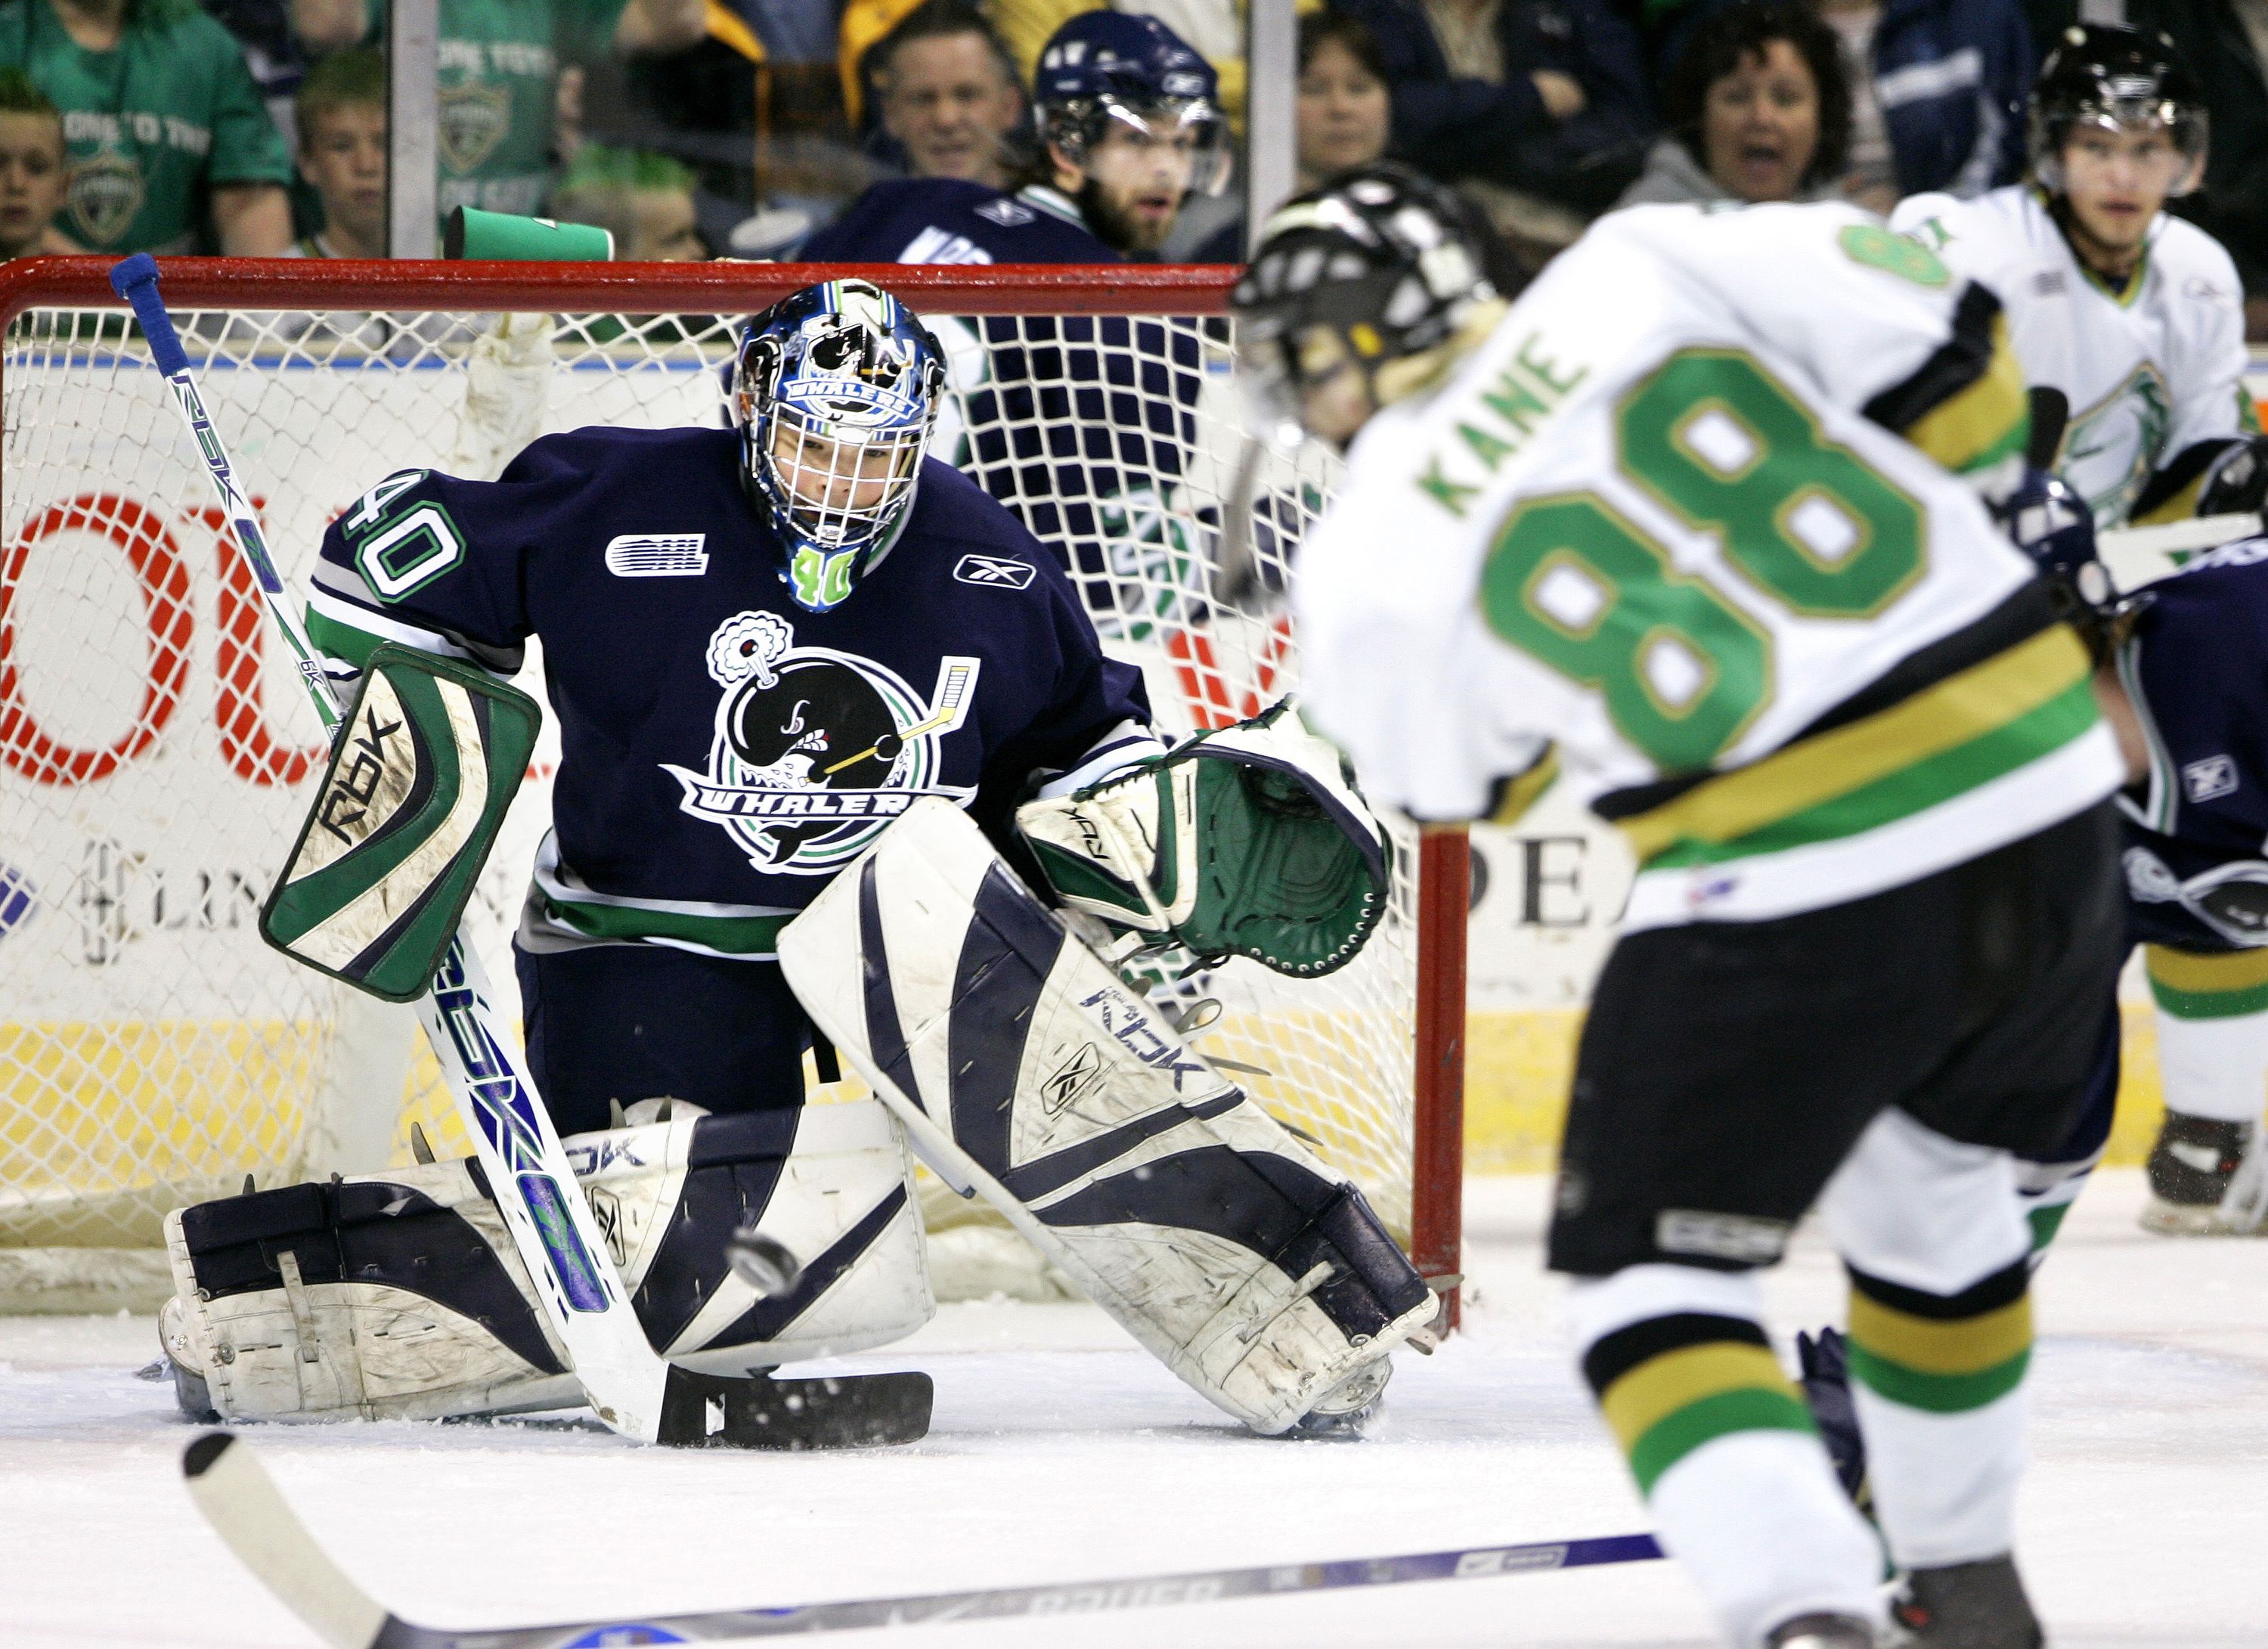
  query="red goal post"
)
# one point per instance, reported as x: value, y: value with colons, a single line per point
x: 104, y: 573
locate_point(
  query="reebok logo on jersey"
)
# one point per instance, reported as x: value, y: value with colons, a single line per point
x: 1006, y: 213
x: 657, y: 555
x: 2213, y: 778
x: 994, y: 571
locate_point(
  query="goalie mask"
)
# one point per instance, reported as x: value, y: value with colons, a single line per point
x: 1378, y: 268
x: 835, y: 392
x: 2117, y: 78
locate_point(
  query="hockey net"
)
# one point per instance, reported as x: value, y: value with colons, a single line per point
x: 154, y: 758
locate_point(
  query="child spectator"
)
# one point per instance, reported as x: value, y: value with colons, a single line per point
x: 1757, y: 109
x: 280, y: 39
x: 948, y: 95
x: 170, y: 148
x: 341, y: 118
x: 645, y: 201
x: 501, y: 66
x: 31, y: 169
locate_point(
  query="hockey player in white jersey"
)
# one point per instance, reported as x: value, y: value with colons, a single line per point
x: 1698, y: 518
x: 2129, y: 322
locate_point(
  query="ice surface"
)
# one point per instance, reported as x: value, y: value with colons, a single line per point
x: 1062, y: 1451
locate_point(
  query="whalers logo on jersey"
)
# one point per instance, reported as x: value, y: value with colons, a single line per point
x: 2112, y: 449
x: 815, y: 750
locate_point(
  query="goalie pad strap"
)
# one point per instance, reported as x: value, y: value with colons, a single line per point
x: 399, y: 1295
x: 426, y: 763
x: 1256, y: 1272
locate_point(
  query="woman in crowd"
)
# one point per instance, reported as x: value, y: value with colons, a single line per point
x: 1757, y: 109
x: 1344, y: 115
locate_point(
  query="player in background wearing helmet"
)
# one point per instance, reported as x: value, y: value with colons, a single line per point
x: 2130, y: 323
x: 772, y: 650
x: 1129, y: 126
x: 1699, y: 518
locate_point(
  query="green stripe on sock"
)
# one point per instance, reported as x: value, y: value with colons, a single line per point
x: 1937, y: 1394
x: 1675, y: 1435
x: 2045, y: 1221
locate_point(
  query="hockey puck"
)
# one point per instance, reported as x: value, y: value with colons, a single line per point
x: 887, y: 748
x: 763, y: 1262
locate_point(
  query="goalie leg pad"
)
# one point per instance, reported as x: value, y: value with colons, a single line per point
x: 399, y: 1296
x: 1258, y: 1274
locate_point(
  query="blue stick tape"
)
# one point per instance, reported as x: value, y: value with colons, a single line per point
x: 136, y: 280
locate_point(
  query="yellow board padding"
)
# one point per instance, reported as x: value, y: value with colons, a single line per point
x: 1968, y: 1346
x: 1661, y: 1386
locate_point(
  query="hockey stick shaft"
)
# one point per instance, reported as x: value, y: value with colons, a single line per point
x: 534, y: 1187
x: 244, y: 1505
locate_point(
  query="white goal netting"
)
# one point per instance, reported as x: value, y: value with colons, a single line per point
x: 154, y: 758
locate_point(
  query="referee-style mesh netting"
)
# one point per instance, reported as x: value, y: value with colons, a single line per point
x: 155, y: 761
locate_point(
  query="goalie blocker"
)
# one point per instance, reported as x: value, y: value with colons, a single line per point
x: 1020, y: 1062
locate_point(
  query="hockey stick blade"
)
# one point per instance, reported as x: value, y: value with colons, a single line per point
x: 243, y: 1504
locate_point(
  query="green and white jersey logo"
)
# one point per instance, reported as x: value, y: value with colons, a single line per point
x: 816, y: 750
x: 2110, y: 450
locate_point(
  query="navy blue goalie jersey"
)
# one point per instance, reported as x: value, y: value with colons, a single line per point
x: 2197, y: 669
x: 725, y: 751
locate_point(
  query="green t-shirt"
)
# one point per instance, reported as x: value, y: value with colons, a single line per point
x: 151, y: 126
x: 500, y: 73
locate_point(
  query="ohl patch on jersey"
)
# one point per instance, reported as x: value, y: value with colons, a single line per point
x: 815, y: 749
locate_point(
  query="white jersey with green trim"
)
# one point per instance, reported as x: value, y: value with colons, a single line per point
x: 1647, y: 521
x: 2148, y: 372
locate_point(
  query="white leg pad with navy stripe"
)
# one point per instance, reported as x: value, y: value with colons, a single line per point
x: 1021, y: 1062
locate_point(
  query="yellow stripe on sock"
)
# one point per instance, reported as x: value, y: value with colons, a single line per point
x: 1662, y: 1385
x: 1929, y: 1346
x: 2203, y: 972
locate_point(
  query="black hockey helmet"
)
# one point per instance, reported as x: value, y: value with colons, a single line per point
x: 1383, y: 257
x: 2108, y: 75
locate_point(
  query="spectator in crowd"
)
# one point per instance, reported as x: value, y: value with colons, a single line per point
x: 171, y: 149
x: 1757, y: 109
x: 2226, y: 44
x: 1129, y: 129
x: 339, y: 116
x: 1213, y: 29
x: 501, y: 65
x: 947, y: 94
x: 645, y: 201
x: 1538, y: 108
x: 1937, y: 91
x: 33, y: 173
x: 280, y: 39
x: 1341, y: 118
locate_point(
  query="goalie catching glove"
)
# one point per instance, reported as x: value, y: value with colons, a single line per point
x: 1251, y: 841
x: 424, y: 766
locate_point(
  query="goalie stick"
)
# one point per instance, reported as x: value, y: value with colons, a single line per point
x: 242, y: 1503
x: 631, y: 1388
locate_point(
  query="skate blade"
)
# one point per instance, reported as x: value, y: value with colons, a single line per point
x: 831, y: 1412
